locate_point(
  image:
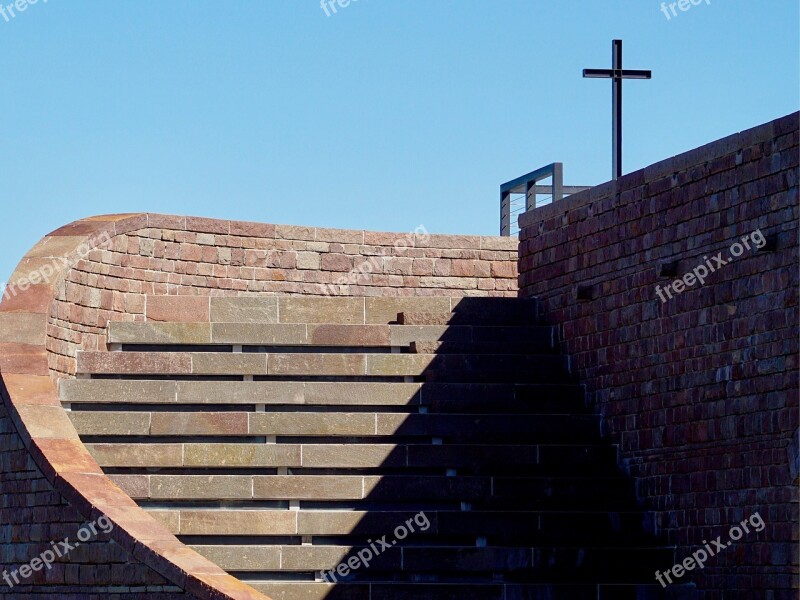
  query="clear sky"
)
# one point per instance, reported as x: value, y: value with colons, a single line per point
x: 386, y: 115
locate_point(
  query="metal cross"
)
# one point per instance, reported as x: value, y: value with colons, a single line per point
x: 616, y: 73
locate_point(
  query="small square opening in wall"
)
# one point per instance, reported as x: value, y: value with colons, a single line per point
x: 770, y: 244
x: 584, y: 293
x: 668, y: 269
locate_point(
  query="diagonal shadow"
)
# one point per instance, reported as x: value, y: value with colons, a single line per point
x: 502, y: 475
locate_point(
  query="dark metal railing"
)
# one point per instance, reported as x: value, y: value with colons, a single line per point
x: 528, y: 185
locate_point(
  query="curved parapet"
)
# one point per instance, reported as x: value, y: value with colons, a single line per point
x: 45, y: 430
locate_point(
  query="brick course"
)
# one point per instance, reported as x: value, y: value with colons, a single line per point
x: 700, y: 392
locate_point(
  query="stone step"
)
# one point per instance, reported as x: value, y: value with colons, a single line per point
x: 499, y: 398
x: 536, y: 338
x: 544, y: 564
x: 458, y: 367
x: 444, y: 398
x: 249, y: 334
x: 479, y: 459
x: 463, y: 428
x: 559, y: 373
x: 499, y: 528
x: 293, y: 590
x: 327, y: 310
x: 474, y: 313
x: 483, y: 493
x: 475, y: 348
x: 540, y: 337
x: 495, y: 315
x: 425, y: 318
x: 493, y: 311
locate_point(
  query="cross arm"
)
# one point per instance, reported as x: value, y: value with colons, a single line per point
x: 617, y: 73
x: 635, y: 74
x: 598, y: 73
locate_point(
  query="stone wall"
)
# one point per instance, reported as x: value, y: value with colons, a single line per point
x: 700, y: 390
x: 179, y: 256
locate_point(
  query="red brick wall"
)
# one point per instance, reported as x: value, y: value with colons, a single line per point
x: 33, y: 514
x: 191, y: 256
x: 700, y: 391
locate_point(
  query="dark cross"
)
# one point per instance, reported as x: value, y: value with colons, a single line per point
x: 616, y: 73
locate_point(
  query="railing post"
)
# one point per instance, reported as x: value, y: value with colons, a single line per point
x: 505, y: 213
x: 558, y: 181
x: 530, y: 194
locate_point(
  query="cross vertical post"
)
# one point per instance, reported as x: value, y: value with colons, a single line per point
x: 616, y: 73
x: 616, y: 107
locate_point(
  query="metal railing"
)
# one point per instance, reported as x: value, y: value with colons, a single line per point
x: 528, y: 187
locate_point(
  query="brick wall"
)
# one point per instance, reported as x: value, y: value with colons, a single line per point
x: 33, y: 514
x: 191, y: 256
x: 700, y: 391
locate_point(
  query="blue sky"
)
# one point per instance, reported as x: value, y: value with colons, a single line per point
x: 386, y: 115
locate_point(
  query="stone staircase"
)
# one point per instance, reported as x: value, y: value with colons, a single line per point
x: 283, y: 438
